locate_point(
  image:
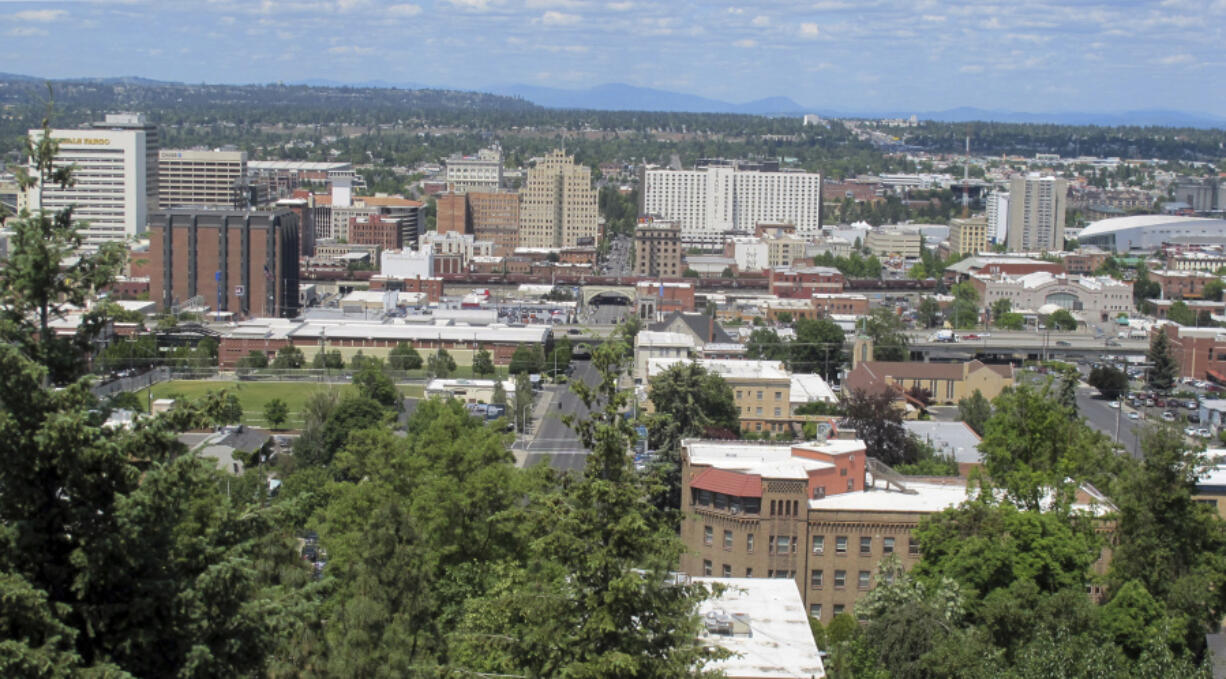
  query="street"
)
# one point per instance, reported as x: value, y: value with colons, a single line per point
x: 1104, y: 418
x: 555, y: 442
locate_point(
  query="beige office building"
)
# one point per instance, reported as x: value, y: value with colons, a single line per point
x: 1036, y: 214
x: 968, y: 235
x: 558, y: 204
x: 887, y: 242
x: 200, y: 178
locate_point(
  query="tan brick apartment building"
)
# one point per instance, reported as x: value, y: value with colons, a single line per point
x: 818, y: 513
x: 657, y: 249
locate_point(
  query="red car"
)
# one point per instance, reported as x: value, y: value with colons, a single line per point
x: 970, y: 337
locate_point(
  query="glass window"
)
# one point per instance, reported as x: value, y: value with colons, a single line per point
x: 912, y: 546
x: 863, y: 583
x: 815, y: 578
x: 778, y: 412
x: 783, y: 544
x: 708, y: 535
x: 749, y: 572
x: 887, y: 545
x: 866, y: 545
x: 840, y: 544
x: 815, y: 610
x: 778, y: 395
x: 840, y: 577
x: 727, y: 571
x: 727, y: 539
x: 749, y: 542
x: 706, y: 567
x: 819, y: 544
x: 838, y: 609
x: 770, y: 545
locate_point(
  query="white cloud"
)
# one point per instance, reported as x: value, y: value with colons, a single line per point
x: 746, y: 43
x: 735, y: 10
x: 620, y: 6
x: 43, y: 15
x: 544, y: 4
x: 933, y: 18
x: 552, y: 18
x: 473, y: 5
x: 351, y: 49
x: 809, y: 30
x: 228, y: 20
x: 993, y: 24
x: 404, y: 10
x: 761, y: 20
x: 832, y: 5
x: 25, y: 32
x: 971, y: 68
x: 1176, y: 59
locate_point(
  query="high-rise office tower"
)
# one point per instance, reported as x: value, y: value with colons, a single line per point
x: 201, y: 178
x: 558, y: 204
x: 112, y: 176
x: 1036, y: 214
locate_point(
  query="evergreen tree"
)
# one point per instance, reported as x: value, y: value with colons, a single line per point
x: 289, y: 357
x: 1163, y: 367
x: 441, y: 364
x: 975, y: 410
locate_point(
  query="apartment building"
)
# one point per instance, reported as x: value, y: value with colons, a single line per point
x: 761, y: 390
x: 244, y: 262
x: 1036, y: 214
x: 820, y: 513
x: 968, y: 236
x: 998, y: 217
x: 712, y: 201
x: 1187, y: 284
x: 451, y: 213
x: 201, y: 178
x: 558, y: 204
x: 111, y: 194
x: 657, y: 249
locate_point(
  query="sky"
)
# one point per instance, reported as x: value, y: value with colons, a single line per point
x: 843, y: 55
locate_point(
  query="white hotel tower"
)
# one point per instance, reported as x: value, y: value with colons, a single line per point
x: 712, y: 201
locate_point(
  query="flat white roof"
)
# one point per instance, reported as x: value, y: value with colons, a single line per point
x: 727, y: 368
x: 768, y: 461
x: 928, y: 498
x: 780, y: 642
x: 807, y: 387
x: 654, y: 338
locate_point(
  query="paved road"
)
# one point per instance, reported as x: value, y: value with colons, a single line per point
x: 1109, y: 420
x: 555, y: 442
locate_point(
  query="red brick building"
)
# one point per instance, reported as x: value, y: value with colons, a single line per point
x: 375, y: 230
x: 840, y: 304
x: 452, y: 214
x: 1182, y: 284
x: 245, y: 262
x: 803, y: 283
x: 1200, y: 352
x: 432, y: 287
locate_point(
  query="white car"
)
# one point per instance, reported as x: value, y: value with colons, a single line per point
x: 1203, y: 433
x: 1113, y: 404
x: 1134, y: 415
x: 1190, y: 431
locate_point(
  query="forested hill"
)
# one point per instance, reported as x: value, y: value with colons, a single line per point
x: 263, y: 103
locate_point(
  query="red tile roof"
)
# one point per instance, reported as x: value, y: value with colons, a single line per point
x: 728, y: 482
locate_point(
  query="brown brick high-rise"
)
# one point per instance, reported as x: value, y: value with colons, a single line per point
x: 217, y: 254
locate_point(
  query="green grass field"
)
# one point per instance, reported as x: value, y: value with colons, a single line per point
x: 254, y: 395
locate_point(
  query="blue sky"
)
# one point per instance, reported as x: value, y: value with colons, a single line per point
x: 850, y: 55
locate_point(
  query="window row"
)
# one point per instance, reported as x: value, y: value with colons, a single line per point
x: 866, y: 545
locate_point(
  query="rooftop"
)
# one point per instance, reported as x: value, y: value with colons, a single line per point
x: 659, y: 338
x: 778, y: 641
x: 807, y: 388
x: 765, y: 460
x: 726, y: 368
x: 948, y: 438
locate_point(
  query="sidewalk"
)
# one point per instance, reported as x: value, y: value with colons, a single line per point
x: 540, y: 408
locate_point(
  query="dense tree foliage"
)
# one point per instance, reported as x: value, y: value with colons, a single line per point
x: 1163, y: 367
x: 818, y: 347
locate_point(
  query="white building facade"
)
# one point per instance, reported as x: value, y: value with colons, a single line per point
x: 110, y: 193
x: 714, y: 200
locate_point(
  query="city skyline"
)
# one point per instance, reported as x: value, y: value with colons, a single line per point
x: 870, y: 56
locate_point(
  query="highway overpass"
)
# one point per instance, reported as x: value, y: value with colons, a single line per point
x: 1006, y: 345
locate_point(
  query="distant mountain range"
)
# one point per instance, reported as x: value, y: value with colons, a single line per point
x: 622, y: 97
x: 619, y: 97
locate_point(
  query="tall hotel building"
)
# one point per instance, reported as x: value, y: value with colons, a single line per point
x: 201, y: 178
x: 113, y: 177
x: 558, y: 204
x: 1036, y: 214
x: 712, y: 201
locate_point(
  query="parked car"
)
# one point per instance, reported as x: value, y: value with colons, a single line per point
x: 1113, y: 404
x: 1191, y: 405
x: 1190, y: 431
x: 1203, y: 433
x: 1168, y: 416
x: 1134, y: 415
